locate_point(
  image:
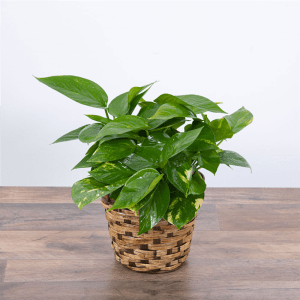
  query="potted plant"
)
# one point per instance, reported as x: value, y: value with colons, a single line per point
x: 145, y: 170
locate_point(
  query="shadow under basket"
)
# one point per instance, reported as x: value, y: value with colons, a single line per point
x: 164, y: 248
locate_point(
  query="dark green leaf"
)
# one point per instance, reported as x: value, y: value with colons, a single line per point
x: 178, y: 143
x: 209, y: 160
x: 88, y: 190
x: 239, y: 119
x: 115, y: 194
x: 143, y: 157
x: 123, y: 124
x: 232, y: 158
x: 84, y: 163
x: 70, y: 136
x: 179, y: 172
x: 98, y: 119
x: 197, y: 185
x: 156, y: 139
x: 127, y: 135
x: 168, y: 111
x: 119, y: 106
x: 89, y: 133
x: 78, y: 89
x: 149, y: 110
x: 182, y: 209
x: 155, y: 208
x: 221, y: 129
x: 93, y: 148
x: 201, y: 104
x: 113, y: 150
x: 110, y: 172
x: 136, y: 188
x: 205, y: 140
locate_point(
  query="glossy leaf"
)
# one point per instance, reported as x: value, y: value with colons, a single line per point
x: 232, y: 158
x: 179, y: 172
x: 119, y: 106
x: 198, y: 103
x: 156, y: 139
x: 209, y: 160
x: 98, y: 119
x: 143, y: 157
x: 127, y: 135
x: 155, y: 208
x: 113, y: 150
x: 79, y: 89
x: 201, y: 104
x: 93, y: 148
x: 84, y: 163
x: 136, y: 188
x: 178, y: 143
x: 239, y: 119
x: 147, y: 112
x: 89, y: 133
x: 197, y: 185
x: 123, y: 124
x: 168, y: 111
x: 205, y: 140
x: 88, y: 190
x: 110, y: 172
x: 70, y: 136
x: 182, y: 209
x: 115, y: 194
x: 221, y: 129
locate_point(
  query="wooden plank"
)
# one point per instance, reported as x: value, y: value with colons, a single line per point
x: 214, y: 195
x: 2, y: 269
x: 64, y: 216
x: 262, y: 217
x: 167, y: 290
x: 252, y: 195
x: 97, y: 245
x: 194, y: 270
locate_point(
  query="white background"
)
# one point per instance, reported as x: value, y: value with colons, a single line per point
x: 238, y: 53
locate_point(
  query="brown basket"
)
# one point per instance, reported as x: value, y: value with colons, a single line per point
x: 162, y: 249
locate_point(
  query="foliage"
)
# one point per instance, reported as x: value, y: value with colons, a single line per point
x: 142, y: 160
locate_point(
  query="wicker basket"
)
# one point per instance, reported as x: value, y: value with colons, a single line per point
x: 162, y: 249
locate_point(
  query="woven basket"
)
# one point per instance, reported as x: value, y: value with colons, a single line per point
x: 162, y: 249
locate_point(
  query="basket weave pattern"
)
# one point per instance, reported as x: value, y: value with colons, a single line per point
x: 162, y: 249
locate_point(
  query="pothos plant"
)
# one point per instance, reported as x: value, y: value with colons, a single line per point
x: 142, y: 160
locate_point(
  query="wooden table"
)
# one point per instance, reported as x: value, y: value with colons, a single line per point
x: 246, y: 245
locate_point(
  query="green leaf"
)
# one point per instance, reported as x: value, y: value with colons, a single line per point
x: 78, y: 89
x: 123, y: 124
x: 127, y: 135
x: 156, y: 139
x: 119, y: 105
x: 169, y: 123
x: 232, y: 158
x: 221, y: 129
x: 155, y: 208
x: 197, y: 185
x: 89, y: 133
x: 239, y: 119
x: 110, y: 172
x: 98, y: 119
x: 178, y: 143
x: 136, y: 188
x: 179, y: 172
x: 196, y: 103
x: 70, y: 136
x: 84, y: 163
x: 115, y: 194
x: 148, y: 111
x: 183, y: 209
x: 168, y: 111
x: 143, y: 157
x: 113, y: 150
x: 88, y: 190
x: 205, y: 140
x: 209, y: 160
x: 93, y: 148
x: 201, y: 104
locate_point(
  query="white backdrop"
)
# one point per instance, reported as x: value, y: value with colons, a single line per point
x: 238, y: 53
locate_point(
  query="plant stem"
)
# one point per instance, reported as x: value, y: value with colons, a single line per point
x: 147, y: 132
x: 220, y: 142
x: 107, y: 116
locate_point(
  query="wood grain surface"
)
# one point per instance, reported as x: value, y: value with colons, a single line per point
x: 246, y: 245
